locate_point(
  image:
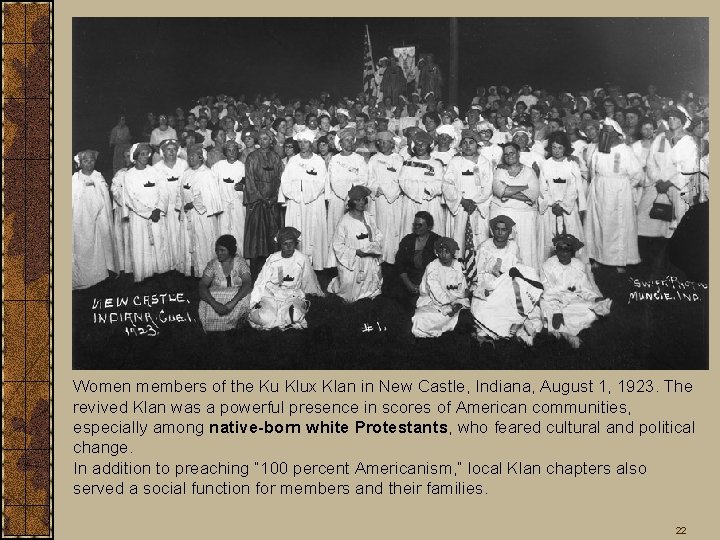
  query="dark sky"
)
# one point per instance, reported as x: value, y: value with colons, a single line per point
x: 137, y: 65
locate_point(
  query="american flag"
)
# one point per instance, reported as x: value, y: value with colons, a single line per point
x: 469, y: 267
x: 369, y: 86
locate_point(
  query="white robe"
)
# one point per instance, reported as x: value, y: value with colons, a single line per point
x: 384, y: 173
x: 526, y: 231
x: 232, y: 219
x: 444, y: 157
x: 585, y: 158
x: 170, y: 176
x: 200, y: 225
x: 560, y: 182
x: 491, y: 258
x: 92, y: 250
x: 358, y: 277
x: 493, y: 153
x: 121, y: 223
x: 465, y: 179
x: 569, y: 290
x: 421, y: 181
x: 343, y: 173
x: 441, y: 288
x: 500, y: 137
x: 534, y: 156
x: 302, y: 189
x: 579, y: 151
x: 144, y: 192
x: 510, y: 310
x: 641, y: 153
x: 668, y: 163
x: 282, y: 284
x: 611, y: 224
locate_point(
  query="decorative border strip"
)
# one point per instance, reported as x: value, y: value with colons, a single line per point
x: 27, y: 288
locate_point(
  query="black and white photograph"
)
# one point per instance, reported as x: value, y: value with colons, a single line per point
x: 390, y: 193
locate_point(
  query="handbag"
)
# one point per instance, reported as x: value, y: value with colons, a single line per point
x: 662, y: 211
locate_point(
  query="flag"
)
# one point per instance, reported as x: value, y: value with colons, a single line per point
x: 369, y: 85
x: 469, y: 263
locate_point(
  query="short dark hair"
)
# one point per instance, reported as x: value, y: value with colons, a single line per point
x: 435, y: 116
x: 426, y: 217
x: 294, y: 143
x: 228, y: 241
x: 559, y: 137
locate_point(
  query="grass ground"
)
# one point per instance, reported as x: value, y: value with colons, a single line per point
x: 636, y: 335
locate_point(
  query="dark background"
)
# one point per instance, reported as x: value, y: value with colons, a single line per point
x: 135, y: 65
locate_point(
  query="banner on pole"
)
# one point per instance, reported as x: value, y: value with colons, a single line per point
x: 406, y: 60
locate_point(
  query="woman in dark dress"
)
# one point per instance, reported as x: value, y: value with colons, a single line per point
x: 414, y: 254
x: 263, y: 169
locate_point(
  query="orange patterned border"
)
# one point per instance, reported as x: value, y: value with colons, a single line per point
x: 27, y: 386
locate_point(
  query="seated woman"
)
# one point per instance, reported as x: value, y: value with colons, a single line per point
x: 357, y: 245
x: 442, y: 292
x: 278, y: 298
x: 224, y: 288
x: 571, y: 301
x: 416, y: 251
x: 504, y: 303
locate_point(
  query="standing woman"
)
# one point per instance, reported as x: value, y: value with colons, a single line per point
x: 230, y: 176
x: 384, y: 173
x: 421, y: 180
x: 120, y: 141
x: 249, y: 138
x: 263, y: 169
x: 121, y: 223
x: 290, y: 148
x: 447, y: 141
x: 199, y: 205
x: 611, y: 223
x: 357, y: 245
x: 672, y: 160
x: 393, y: 83
x: 347, y: 169
x: 147, y: 201
x: 515, y: 192
x: 562, y: 195
x: 487, y: 148
x: 641, y: 148
x: 216, y: 153
x: 162, y: 132
x: 302, y: 189
x: 467, y: 191
x: 170, y: 170
x: 324, y: 151
x: 431, y: 121
x: 93, y: 253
